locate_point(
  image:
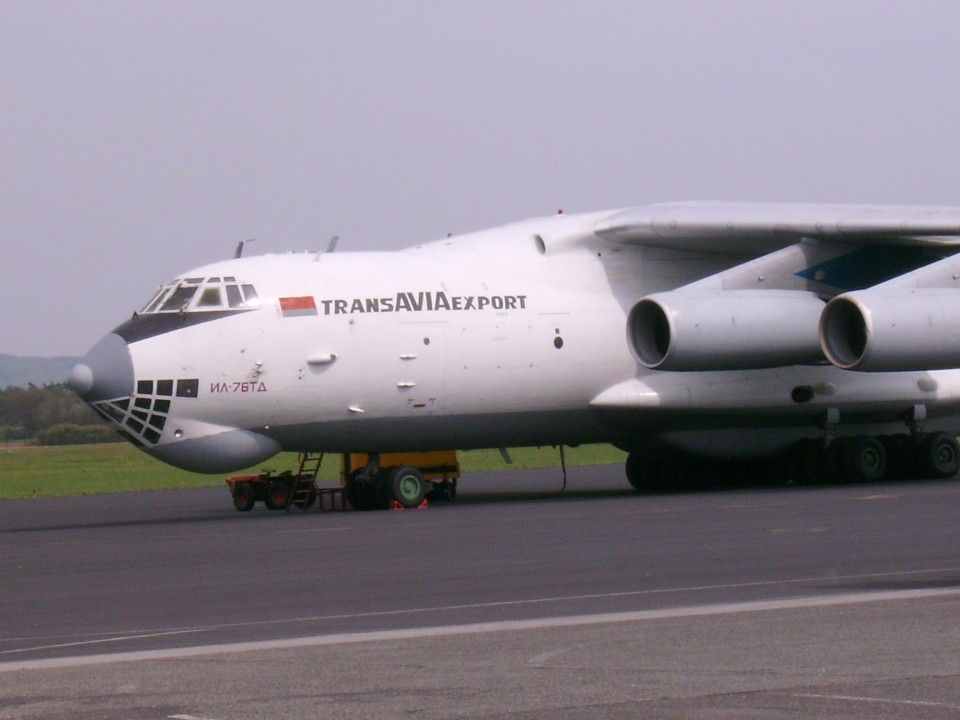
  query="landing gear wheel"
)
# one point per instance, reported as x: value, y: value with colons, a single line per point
x: 278, y: 495
x: 406, y: 485
x: 648, y: 471
x: 863, y: 459
x: 938, y: 456
x: 359, y: 493
x: 832, y: 461
x: 638, y: 470
x: 806, y: 462
x: 244, y: 496
x: 900, y: 462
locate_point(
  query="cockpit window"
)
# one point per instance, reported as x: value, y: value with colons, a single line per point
x: 234, y: 299
x: 154, y: 302
x: 250, y: 295
x: 179, y: 299
x: 202, y: 295
x: 210, y: 297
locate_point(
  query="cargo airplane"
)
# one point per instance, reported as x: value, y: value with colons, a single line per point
x: 688, y: 334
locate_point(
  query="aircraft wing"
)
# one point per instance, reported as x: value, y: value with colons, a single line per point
x: 891, y: 275
x: 734, y: 228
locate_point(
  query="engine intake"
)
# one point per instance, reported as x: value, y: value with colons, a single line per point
x: 885, y: 331
x: 726, y: 330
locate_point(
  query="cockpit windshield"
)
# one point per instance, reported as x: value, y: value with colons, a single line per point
x: 202, y: 295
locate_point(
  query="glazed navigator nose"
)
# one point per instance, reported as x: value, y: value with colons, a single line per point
x: 104, y: 373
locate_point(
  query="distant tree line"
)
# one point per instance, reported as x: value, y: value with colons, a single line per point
x: 50, y: 415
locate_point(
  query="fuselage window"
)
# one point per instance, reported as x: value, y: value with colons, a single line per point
x: 210, y: 297
x: 179, y: 299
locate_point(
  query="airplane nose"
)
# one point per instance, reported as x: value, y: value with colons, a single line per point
x: 80, y: 379
x: 105, y: 372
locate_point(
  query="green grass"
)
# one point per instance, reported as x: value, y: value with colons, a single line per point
x: 30, y: 471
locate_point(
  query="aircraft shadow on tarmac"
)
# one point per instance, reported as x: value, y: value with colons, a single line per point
x: 196, y: 505
x: 132, y: 522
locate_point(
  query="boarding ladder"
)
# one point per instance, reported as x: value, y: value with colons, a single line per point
x: 303, y: 491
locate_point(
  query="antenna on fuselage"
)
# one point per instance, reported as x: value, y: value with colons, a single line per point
x: 331, y: 246
x: 240, y: 245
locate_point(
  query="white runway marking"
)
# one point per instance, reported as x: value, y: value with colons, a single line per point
x: 485, y: 627
x: 112, y: 638
x: 886, y: 701
x: 95, y: 639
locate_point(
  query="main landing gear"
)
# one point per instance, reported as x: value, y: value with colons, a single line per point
x: 403, y: 480
x: 857, y: 459
x: 866, y: 458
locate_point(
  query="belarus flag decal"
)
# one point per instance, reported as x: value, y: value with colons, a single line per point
x: 297, y: 306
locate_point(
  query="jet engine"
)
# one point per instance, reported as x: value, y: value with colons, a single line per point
x: 725, y: 330
x: 888, y: 330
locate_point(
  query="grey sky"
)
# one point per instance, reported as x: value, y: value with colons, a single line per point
x: 139, y: 140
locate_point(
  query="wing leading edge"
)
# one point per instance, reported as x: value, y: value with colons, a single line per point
x: 758, y: 227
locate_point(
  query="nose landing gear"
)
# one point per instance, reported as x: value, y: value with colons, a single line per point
x: 399, y: 480
x: 374, y: 490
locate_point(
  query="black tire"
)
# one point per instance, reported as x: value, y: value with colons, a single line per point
x: 278, y: 495
x: 900, y: 452
x: 938, y: 456
x: 360, y: 494
x: 833, y: 460
x: 406, y: 485
x: 350, y: 494
x: 244, y: 496
x: 649, y: 471
x: 637, y: 471
x: 863, y: 459
x: 805, y: 460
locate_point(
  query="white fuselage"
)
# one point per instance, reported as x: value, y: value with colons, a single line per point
x: 513, y: 336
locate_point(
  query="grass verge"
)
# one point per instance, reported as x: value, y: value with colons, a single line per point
x: 31, y: 471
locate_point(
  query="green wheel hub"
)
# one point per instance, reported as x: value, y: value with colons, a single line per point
x: 409, y: 487
x: 406, y: 485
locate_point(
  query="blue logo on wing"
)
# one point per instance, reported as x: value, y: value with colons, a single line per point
x: 868, y: 266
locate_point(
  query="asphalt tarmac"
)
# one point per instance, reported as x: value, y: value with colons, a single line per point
x: 515, y: 601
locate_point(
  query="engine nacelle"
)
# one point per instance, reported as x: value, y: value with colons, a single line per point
x: 889, y: 330
x: 725, y: 330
